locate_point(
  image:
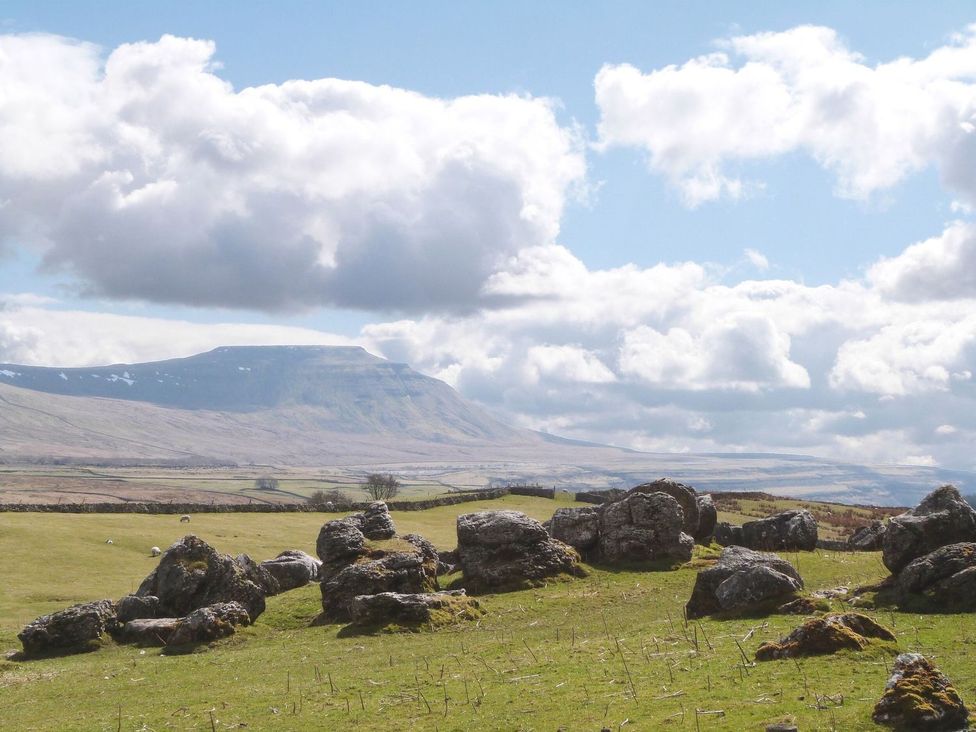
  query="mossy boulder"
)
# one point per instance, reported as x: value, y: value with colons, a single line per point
x: 829, y: 634
x: 396, y: 611
x: 920, y: 698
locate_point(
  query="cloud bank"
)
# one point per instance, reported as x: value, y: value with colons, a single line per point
x: 147, y: 176
x: 801, y: 90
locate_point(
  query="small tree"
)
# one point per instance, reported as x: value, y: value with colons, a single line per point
x: 266, y: 483
x: 381, y: 487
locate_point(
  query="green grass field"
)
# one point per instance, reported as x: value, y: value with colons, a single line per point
x: 610, y: 650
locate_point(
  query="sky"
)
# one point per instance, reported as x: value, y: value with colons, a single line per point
x: 704, y: 227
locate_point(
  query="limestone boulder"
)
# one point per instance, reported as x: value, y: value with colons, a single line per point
x: 72, y: 630
x: 920, y: 698
x: 505, y: 550
x: 707, y: 519
x: 944, y: 579
x: 378, y: 570
x: 292, y: 568
x: 728, y: 535
x: 793, y: 530
x: 377, y: 522
x: 191, y: 574
x: 868, y: 538
x: 578, y: 527
x: 643, y: 527
x: 339, y: 541
x: 134, y: 607
x: 685, y: 496
x: 943, y: 517
x: 433, y: 610
x: 742, y: 580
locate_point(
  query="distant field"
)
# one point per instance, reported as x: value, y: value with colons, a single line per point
x: 608, y: 650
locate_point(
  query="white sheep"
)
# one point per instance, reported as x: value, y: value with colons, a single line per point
x: 155, y: 551
x: 185, y: 518
x: 109, y: 541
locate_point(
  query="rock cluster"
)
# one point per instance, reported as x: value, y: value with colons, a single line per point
x: 828, y: 634
x: 361, y: 555
x: 919, y: 697
x: 652, y: 521
x: 742, y: 580
x: 506, y: 550
x: 201, y: 626
x: 943, y: 517
x: 191, y: 574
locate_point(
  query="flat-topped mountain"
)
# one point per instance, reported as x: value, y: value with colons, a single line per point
x: 349, y: 389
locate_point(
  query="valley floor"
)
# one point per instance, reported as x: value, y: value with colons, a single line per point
x: 610, y: 650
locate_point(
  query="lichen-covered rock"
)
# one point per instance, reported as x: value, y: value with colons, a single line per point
x: 191, y: 574
x: 643, y: 527
x: 791, y: 530
x: 829, y: 634
x: 868, y: 538
x: 506, y: 550
x: 433, y: 610
x: 292, y: 568
x: 707, y: 518
x: 393, y: 565
x: 447, y: 562
x: 133, y: 607
x: 72, y: 630
x: 944, y: 579
x: 148, y: 631
x: 742, y: 581
x: 685, y: 496
x: 942, y: 517
x: 578, y: 527
x: 728, y: 535
x: 918, y: 697
x: 426, y: 548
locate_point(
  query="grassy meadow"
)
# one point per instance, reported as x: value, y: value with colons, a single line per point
x: 610, y: 650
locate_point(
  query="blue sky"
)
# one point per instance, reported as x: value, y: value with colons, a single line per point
x: 815, y: 210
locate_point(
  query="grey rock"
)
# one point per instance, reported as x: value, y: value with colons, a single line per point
x: 132, y: 607
x: 728, y: 535
x: 209, y: 623
x: 71, y: 630
x: 707, y: 518
x: 503, y: 550
x: 757, y: 578
x: 868, y: 538
x: 292, y: 568
x: 259, y: 575
x: 414, y: 609
x: 919, y: 697
x: 339, y: 541
x: 942, y: 518
x: 148, y: 631
x: 685, y: 496
x: 946, y: 578
x: 578, y: 527
x: 191, y: 574
x: 643, y: 527
x: 787, y: 531
x: 752, y: 586
x: 377, y: 522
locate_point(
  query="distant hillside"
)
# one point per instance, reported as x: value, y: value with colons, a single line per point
x: 342, y: 407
